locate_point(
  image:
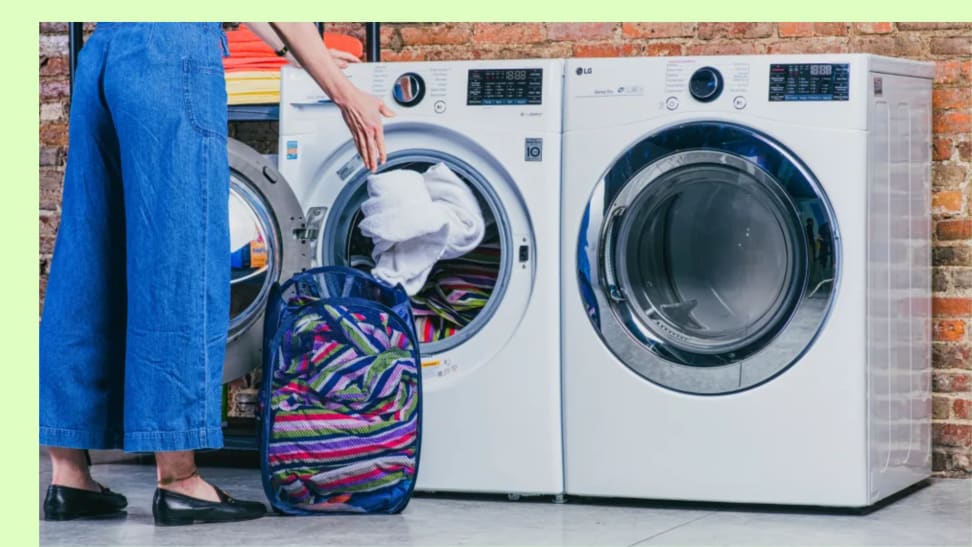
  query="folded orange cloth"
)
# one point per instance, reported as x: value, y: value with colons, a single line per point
x: 248, y: 52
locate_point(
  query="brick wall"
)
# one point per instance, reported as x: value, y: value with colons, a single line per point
x: 948, y: 44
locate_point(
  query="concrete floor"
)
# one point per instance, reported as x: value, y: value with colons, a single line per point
x: 939, y: 514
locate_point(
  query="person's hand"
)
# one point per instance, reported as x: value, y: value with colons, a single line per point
x: 342, y: 58
x: 362, y: 114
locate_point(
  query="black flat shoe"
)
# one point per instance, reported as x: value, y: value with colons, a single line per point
x: 172, y: 509
x: 66, y: 503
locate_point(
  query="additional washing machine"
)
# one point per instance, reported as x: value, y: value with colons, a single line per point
x: 264, y: 215
x: 491, y: 379
x: 746, y: 286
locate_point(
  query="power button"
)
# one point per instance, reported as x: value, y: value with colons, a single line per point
x: 671, y: 103
x: 739, y: 102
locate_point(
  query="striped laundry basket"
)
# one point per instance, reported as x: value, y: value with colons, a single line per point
x: 341, y: 395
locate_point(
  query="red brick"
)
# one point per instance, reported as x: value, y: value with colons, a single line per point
x: 439, y: 34
x: 899, y: 45
x: 949, y: 330
x: 729, y: 48
x: 932, y: 26
x: 54, y: 66
x: 953, y: 229
x: 51, y: 156
x: 809, y: 45
x: 941, y: 407
x: 407, y: 54
x: 964, y: 151
x: 947, y: 72
x: 950, y: 175
x: 950, y: 355
x: 708, y: 31
x: 548, y: 50
x: 507, y: 33
x: 790, y: 30
x: 658, y: 30
x: 873, y: 28
x: 947, y: 202
x: 663, y: 49
x: 962, y: 409
x: 951, y: 45
x: 49, y: 197
x: 54, y: 89
x: 830, y: 29
x: 951, y: 121
x: 581, y: 31
x: 952, y: 255
x: 952, y: 97
x: 54, y: 134
x: 941, y: 148
x: 952, y: 435
x: 605, y: 49
x: 951, y: 306
x: 451, y: 53
x: 53, y: 28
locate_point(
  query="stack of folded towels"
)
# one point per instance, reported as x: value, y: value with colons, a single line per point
x: 253, y: 68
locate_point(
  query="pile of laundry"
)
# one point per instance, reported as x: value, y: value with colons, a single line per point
x: 253, y: 68
x: 429, y: 234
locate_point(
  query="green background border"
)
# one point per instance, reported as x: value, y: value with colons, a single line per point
x: 20, y: 143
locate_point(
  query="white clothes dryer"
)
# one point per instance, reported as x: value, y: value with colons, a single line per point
x: 746, y: 278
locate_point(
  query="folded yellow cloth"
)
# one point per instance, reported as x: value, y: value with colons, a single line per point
x: 252, y: 87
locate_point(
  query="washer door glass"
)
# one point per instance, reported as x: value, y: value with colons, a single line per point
x: 461, y: 294
x: 705, y: 239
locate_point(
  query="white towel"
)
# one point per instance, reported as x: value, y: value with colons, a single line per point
x: 408, y: 230
x: 416, y: 220
x: 466, y: 226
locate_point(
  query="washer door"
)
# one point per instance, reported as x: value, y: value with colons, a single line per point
x: 264, y: 218
x: 708, y: 258
x: 500, y: 271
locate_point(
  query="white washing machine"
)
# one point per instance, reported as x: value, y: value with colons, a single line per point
x: 491, y: 407
x: 746, y: 278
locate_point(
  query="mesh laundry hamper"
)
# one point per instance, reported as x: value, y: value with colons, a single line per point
x: 341, y: 395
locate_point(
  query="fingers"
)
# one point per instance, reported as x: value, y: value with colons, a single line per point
x: 371, y: 132
x: 341, y: 63
x: 385, y: 111
x: 343, y: 56
x: 380, y: 140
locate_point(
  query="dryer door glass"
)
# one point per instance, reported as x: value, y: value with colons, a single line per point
x: 707, y: 261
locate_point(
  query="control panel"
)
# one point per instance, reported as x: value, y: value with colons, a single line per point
x: 490, y: 87
x: 809, y: 82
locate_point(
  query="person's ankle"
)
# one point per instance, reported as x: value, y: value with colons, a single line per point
x: 78, y: 480
x: 194, y: 487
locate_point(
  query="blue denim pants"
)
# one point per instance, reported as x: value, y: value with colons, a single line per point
x: 133, y: 331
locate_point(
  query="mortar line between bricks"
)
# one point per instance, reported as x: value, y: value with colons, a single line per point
x: 677, y: 526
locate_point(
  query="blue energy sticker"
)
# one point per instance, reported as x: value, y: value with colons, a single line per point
x: 291, y: 150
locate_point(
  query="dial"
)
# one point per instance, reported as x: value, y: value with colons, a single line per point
x: 706, y: 84
x: 409, y: 89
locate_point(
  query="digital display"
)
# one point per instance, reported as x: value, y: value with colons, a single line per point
x: 809, y: 82
x: 505, y: 87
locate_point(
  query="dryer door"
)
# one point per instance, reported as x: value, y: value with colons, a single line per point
x: 708, y: 258
x: 264, y: 219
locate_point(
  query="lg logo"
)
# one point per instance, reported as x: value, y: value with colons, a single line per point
x: 582, y: 71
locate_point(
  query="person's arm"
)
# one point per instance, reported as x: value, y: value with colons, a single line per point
x: 362, y: 112
x: 266, y: 33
